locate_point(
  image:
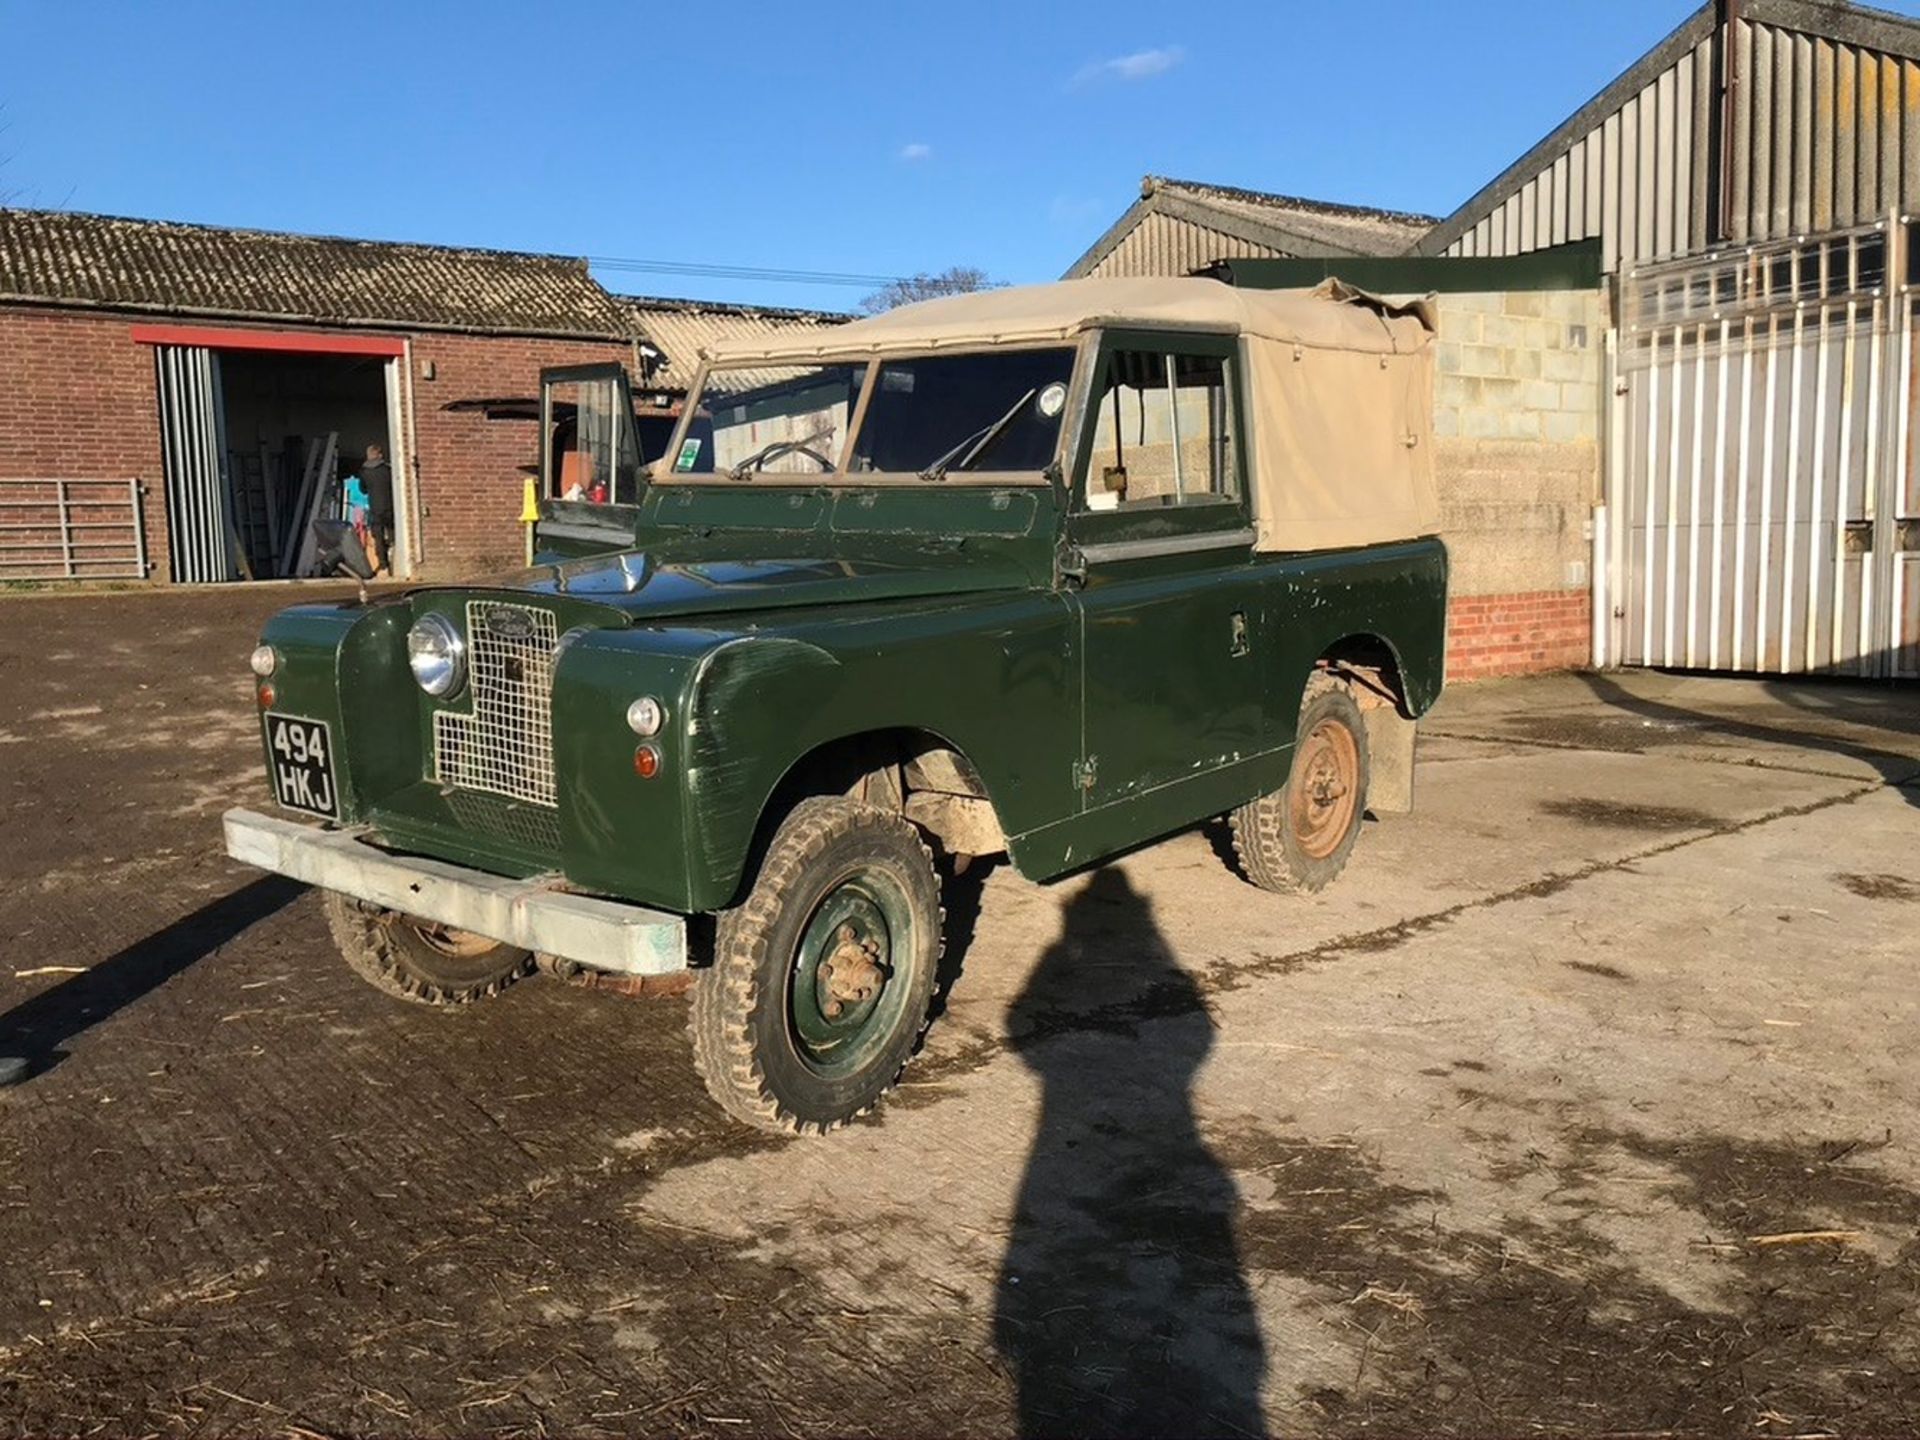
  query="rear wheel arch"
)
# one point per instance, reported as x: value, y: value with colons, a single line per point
x: 1368, y: 667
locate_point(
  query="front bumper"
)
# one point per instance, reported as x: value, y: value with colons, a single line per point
x: 531, y: 914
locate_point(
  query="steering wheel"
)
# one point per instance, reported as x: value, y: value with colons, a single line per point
x: 798, y: 447
x: 757, y: 462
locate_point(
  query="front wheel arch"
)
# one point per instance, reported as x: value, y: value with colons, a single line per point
x: 843, y: 766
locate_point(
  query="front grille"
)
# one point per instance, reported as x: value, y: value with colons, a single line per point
x: 504, y: 744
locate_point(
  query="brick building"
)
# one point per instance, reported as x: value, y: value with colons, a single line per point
x: 211, y: 366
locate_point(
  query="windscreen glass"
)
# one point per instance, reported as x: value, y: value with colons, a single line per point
x: 789, y: 423
x: 1000, y: 410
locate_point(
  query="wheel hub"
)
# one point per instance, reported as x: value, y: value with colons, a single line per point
x: 851, y: 973
x: 1327, y: 773
x: 840, y: 1002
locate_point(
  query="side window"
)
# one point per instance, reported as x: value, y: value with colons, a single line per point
x: 591, y: 453
x: 1163, y: 432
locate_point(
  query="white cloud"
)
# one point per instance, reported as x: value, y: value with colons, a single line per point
x: 918, y: 150
x: 1140, y: 65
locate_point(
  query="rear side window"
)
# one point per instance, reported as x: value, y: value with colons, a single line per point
x: 1163, y: 432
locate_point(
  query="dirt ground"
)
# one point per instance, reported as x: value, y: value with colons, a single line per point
x: 1585, y: 1103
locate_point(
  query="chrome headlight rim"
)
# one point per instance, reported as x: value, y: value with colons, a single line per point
x: 437, y: 656
x: 263, y: 661
x: 646, y: 716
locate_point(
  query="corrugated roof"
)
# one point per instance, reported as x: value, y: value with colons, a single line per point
x: 682, y: 330
x: 68, y: 258
x: 1246, y: 222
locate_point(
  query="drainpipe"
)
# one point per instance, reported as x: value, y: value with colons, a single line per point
x: 1726, y: 29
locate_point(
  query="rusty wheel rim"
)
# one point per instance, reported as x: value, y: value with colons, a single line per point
x: 452, y: 942
x: 1325, y: 789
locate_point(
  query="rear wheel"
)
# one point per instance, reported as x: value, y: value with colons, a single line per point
x: 1297, y: 839
x: 822, y: 979
x: 419, y: 960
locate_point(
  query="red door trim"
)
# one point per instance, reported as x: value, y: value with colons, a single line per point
x: 305, y: 342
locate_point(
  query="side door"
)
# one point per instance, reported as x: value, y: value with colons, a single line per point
x: 1160, y: 545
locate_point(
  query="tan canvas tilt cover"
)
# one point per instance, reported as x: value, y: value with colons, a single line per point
x: 1341, y: 384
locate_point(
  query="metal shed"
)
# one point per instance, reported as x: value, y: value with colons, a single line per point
x: 1751, y: 183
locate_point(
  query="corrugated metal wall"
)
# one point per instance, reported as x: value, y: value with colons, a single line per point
x: 1164, y: 245
x: 1825, y: 134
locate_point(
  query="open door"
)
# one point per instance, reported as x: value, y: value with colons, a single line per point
x: 590, y: 475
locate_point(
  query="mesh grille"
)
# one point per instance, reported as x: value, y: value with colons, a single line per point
x: 504, y: 746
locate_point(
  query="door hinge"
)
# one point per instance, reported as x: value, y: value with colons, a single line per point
x: 1083, y: 772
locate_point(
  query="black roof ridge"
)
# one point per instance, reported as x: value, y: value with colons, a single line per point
x: 1268, y: 197
x: 734, y: 307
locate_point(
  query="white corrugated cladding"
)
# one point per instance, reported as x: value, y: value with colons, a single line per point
x: 1168, y: 245
x: 1825, y: 134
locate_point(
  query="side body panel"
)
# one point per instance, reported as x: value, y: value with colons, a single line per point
x: 1299, y: 608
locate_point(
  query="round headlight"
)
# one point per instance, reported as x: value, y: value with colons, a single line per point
x: 263, y: 660
x: 646, y: 715
x: 437, y: 655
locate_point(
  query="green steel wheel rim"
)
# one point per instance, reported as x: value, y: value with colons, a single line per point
x: 850, y: 946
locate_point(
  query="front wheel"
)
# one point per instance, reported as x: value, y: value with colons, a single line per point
x: 1297, y: 839
x: 418, y: 960
x: 822, y: 978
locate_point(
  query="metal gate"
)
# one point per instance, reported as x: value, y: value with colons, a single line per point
x: 1763, y: 506
x: 201, y: 542
x: 72, y: 529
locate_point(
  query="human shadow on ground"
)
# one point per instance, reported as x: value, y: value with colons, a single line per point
x: 37, y: 1028
x: 1122, y: 1305
x: 1901, y: 772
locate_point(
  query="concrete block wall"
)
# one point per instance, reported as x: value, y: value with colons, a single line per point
x: 1517, y: 415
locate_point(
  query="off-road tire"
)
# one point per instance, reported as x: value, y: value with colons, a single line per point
x: 1266, y: 839
x: 740, y: 1020
x: 384, y: 948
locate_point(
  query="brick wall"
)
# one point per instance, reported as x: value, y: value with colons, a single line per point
x: 1517, y: 408
x: 77, y: 402
x: 1518, y: 634
x: 467, y: 467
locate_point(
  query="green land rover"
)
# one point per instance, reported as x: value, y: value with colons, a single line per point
x: 1048, y: 571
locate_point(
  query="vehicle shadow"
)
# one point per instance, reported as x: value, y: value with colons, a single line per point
x: 35, y: 1030
x: 1899, y: 771
x: 1122, y: 1305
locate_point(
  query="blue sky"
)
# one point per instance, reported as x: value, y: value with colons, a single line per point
x: 875, y: 139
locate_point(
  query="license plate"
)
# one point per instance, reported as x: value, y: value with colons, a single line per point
x: 301, y: 754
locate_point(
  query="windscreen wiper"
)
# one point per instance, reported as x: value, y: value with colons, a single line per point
x: 975, y: 445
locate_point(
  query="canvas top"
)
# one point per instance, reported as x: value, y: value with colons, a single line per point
x: 1333, y: 317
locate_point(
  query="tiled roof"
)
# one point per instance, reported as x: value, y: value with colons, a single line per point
x: 67, y: 258
x: 1246, y: 222
x: 681, y: 329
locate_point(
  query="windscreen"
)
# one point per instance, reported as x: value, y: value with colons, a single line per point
x: 999, y: 410
x: 791, y: 423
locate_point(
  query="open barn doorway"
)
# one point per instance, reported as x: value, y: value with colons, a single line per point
x: 265, y: 435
